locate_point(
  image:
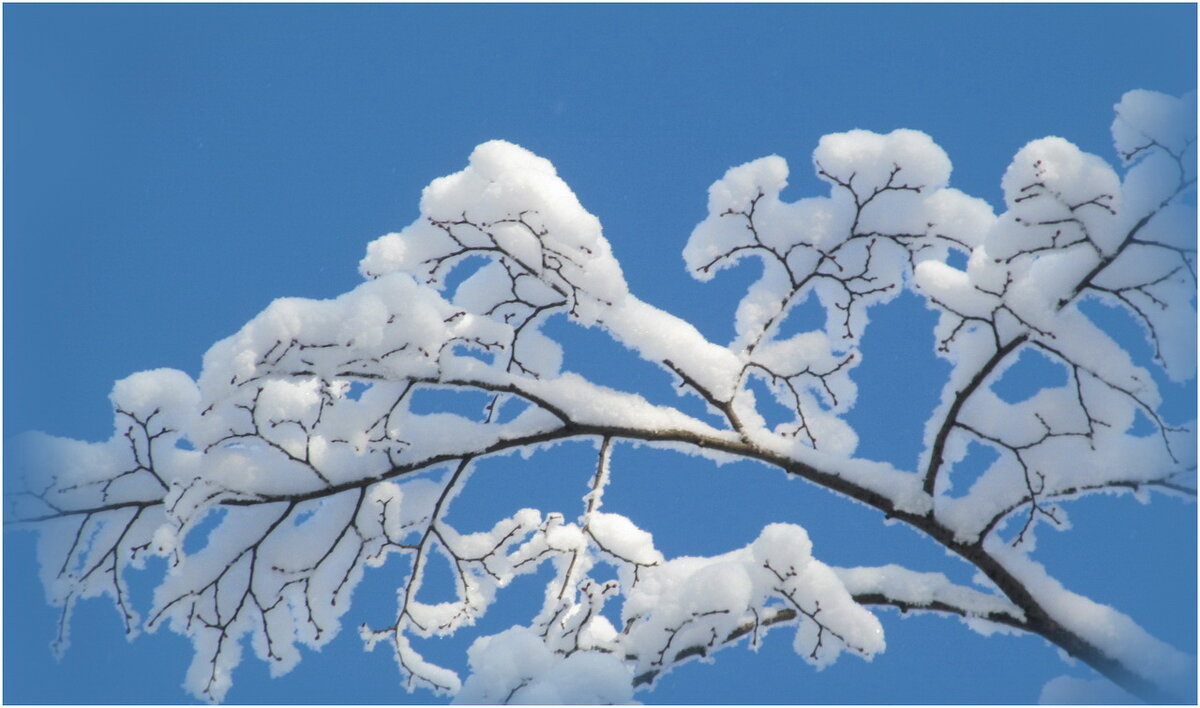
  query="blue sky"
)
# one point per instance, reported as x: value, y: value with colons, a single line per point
x: 171, y: 169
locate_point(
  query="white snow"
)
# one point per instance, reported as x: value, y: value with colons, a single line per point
x: 300, y: 446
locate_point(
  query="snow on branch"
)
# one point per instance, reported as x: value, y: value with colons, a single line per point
x: 300, y: 457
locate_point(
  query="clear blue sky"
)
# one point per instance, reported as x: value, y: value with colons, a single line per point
x: 171, y: 169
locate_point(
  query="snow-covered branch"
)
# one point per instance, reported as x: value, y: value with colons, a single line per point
x: 302, y: 455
